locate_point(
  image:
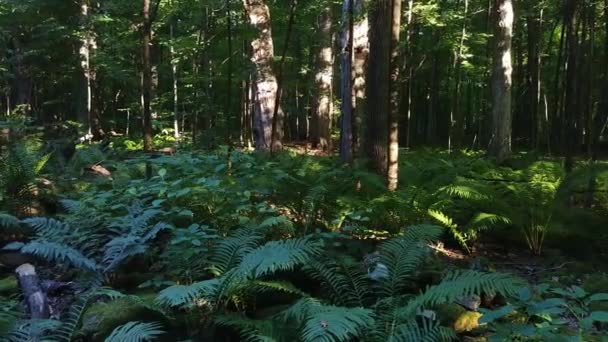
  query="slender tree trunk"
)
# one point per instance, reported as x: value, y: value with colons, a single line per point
x: 534, y: 23
x: 229, y: 112
x: 360, y: 63
x: 393, y: 119
x: 502, y: 81
x: 278, y: 117
x: 570, y: 105
x: 324, y: 80
x: 457, y: 118
x: 265, y: 80
x: 346, y: 127
x: 147, y: 77
x: 175, y: 84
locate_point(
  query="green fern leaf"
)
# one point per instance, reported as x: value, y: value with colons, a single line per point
x: 59, y: 253
x: 136, y: 332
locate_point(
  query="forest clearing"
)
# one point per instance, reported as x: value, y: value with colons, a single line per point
x: 303, y: 170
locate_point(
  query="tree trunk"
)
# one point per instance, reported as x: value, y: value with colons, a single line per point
x: 378, y: 85
x: 393, y: 120
x: 502, y: 81
x: 360, y: 61
x: 571, y: 99
x: 265, y: 81
x: 175, y: 85
x: 534, y: 23
x: 457, y: 123
x: 278, y: 117
x: 147, y: 77
x: 324, y: 80
x: 346, y: 127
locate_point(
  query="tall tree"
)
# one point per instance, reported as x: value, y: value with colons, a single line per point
x: 502, y: 80
x: 571, y: 98
x: 360, y: 63
x: 348, y: 100
x: 393, y: 120
x: 87, y: 49
x: 324, y: 72
x: 377, y: 90
x: 147, y: 76
x: 265, y: 82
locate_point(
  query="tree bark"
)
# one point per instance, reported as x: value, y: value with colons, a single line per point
x: 534, y: 23
x: 360, y: 62
x: 278, y: 117
x: 378, y: 90
x: 571, y: 99
x: 265, y: 80
x: 174, y: 64
x: 147, y: 76
x: 324, y: 80
x: 502, y: 81
x: 346, y: 127
x: 393, y: 120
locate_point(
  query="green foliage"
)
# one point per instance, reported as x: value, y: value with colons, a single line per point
x: 135, y: 332
x: 547, y: 313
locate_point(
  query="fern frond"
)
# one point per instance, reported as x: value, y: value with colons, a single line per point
x: 136, y: 332
x: 260, y: 286
x: 466, y: 192
x: 447, y: 222
x: 428, y: 331
x: 120, y: 249
x: 229, y: 252
x: 180, y: 295
x: 48, y: 228
x: 32, y: 329
x: 402, y: 255
x: 58, y: 253
x: 458, y: 284
x: 345, y: 283
x: 69, y: 326
x: 9, y: 221
x: 276, y: 256
x: 328, y: 323
x: 249, y: 330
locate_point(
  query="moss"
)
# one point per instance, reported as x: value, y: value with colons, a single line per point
x: 100, y: 319
x: 596, y: 283
x: 467, y: 321
x: 8, y: 285
x: 449, y: 313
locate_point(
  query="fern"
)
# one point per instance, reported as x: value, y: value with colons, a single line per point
x: 179, y: 295
x: 251, y: 330
x: 427, y: 331
x: 447, y: 222
x: 402, y: 255
x: 343, y: 281
x: 229, y: 252
x: 321, y: 322
x: 459, y: 284
x: 58, y: 253
x: 135, y: 332
x: 277, y: 256
x: 9, y: 222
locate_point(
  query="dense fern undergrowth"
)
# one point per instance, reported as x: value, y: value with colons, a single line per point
x: 227, y: 245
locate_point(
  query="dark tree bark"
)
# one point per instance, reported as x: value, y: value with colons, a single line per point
x: 147, y: 76
x: 377, y: 89
x: 571, y: 99
x: 264, y: 100
x: 502, y: 81
x: 278, y: 129
x: 534, y: 23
